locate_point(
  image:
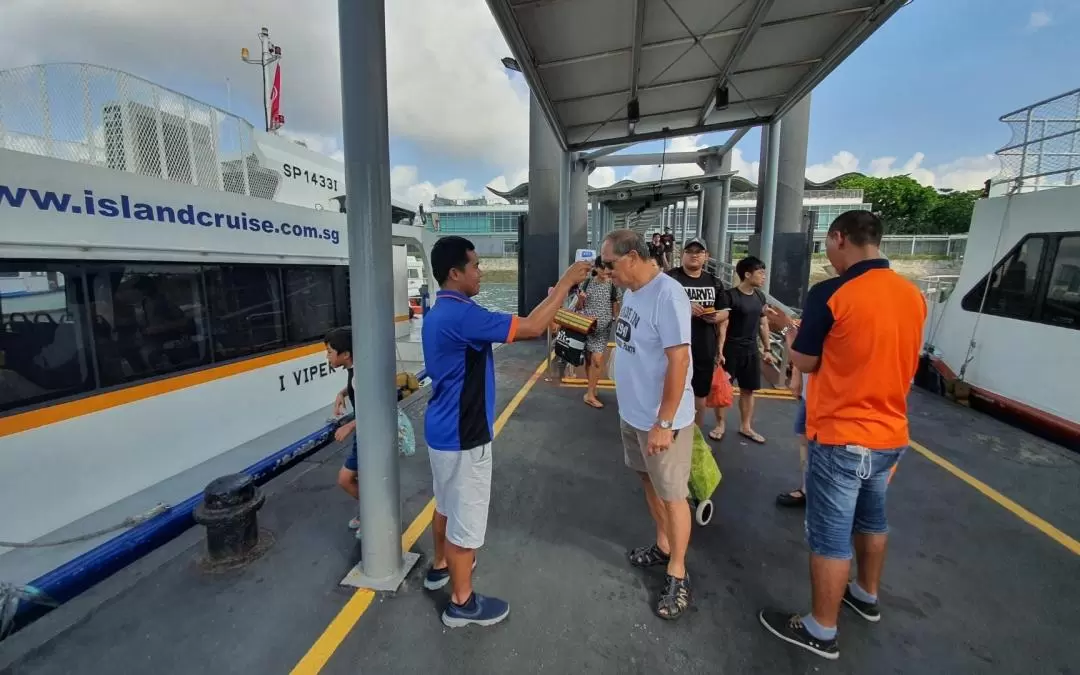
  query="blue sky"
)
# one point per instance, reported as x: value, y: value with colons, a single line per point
x: 934, y: 80
x: 923, y: 96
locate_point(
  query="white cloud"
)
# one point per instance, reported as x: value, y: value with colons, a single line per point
x: 745, y: 169
x: 1039, y: 19
x: 447, y: 91
x: 963, y: 173
x: 602, y: 177
x: 405, y: 184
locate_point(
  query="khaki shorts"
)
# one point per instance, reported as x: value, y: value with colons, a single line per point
x: 462, y: 483
x: 669, y: 470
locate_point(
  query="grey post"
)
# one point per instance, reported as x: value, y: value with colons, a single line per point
x: 767, y: 194
x: 367, y: 184
x: 578, y: 206
x: 710, y: 205
x: 722, y: 252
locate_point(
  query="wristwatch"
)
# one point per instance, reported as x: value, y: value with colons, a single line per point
x: 665, y: 424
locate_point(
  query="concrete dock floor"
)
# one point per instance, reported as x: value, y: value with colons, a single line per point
x: 970, y: 586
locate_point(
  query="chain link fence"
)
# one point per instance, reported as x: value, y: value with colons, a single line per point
x: 1044, y: 150
x: 104, y: 117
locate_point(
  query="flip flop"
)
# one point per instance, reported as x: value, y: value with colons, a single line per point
x: 759, y: 439
x: 593, y: 404
x: 714, y: 437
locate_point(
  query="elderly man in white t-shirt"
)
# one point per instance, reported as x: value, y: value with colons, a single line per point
x: 656, y: 404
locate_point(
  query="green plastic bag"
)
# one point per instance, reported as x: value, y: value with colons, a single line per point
x: 704, y: 472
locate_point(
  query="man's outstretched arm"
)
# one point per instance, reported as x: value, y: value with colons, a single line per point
x: 535, y: 324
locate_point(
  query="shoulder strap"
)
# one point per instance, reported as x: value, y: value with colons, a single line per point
x: 614, y: 294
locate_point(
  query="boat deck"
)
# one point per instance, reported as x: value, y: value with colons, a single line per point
x: 975, y: 582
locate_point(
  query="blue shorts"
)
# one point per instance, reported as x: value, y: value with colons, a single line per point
x: 352, y: 461
x: 845, y: 494
x: 800, y: 418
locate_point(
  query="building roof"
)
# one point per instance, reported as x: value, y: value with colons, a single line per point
x: 738, y: 184
x: 614, y: 71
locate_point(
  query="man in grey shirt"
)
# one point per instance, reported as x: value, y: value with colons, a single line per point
x: 656, y: 404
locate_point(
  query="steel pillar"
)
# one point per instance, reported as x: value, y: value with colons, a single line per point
x: 564, y: 210
x: 789, y: 269
x: 767, y: 194
x: 540, y: 247
x: 713, y: 224
x: 579, y: 207
x: 791, y: 167
x: 362, y: 37
x: 722, y: 252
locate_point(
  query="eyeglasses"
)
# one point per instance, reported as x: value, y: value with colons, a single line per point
x: 607, y: 264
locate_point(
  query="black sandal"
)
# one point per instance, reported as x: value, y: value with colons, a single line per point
x: 648, y: 556
x: 793, y: 498
x: 675, y: 599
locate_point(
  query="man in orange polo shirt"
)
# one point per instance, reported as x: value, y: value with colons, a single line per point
x: 859, y: 338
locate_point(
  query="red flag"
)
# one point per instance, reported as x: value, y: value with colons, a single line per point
x: 276, y: 118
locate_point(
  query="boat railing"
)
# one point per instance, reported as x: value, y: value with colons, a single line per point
x: 104, y: 117
x: 1044, y: 151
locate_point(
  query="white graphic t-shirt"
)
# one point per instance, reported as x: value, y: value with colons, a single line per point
x: 653, y: 318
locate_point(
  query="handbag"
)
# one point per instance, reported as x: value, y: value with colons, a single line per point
x: 720, y: 392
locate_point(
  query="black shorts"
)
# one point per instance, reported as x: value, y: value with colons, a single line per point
x: 701, y: 381
x: 743, y: 364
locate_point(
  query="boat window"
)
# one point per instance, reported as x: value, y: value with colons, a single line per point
x: 44, y: 344
x: 1013, y: 283
x: 1062, y: 306
x: 147, y: 320
x: 309, y: 302
x: 245, y: 310
x: 341, y: 295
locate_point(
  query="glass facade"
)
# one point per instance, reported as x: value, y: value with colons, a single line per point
x: 478, y: 222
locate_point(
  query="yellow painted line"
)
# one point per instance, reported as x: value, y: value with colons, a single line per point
x: 327, y: 643
x: 400, y: 318
x: 582, y: 380
x: 1003, y: 501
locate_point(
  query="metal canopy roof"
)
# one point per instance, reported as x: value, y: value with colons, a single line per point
x: 586, y: 61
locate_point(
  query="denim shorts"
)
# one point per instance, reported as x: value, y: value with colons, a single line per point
x: 845, y: 494
x: 800, y: 418
x: 352, y: 461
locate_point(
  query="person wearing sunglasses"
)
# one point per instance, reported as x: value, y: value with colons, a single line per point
x: 656, y: 405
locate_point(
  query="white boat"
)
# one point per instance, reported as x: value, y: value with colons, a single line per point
x: 1003, y: 333
x: 165, y: 284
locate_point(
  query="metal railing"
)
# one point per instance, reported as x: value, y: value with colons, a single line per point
x: 1044, y: 151
x: 847, y: 195
x: 93, y: 115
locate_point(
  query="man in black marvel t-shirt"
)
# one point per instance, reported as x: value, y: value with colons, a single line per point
x: 703, y: 289
x: 744, y: 339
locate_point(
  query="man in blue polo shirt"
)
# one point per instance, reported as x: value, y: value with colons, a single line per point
x: 459, y: 422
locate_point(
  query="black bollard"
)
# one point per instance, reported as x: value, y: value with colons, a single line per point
x: 228, y: 511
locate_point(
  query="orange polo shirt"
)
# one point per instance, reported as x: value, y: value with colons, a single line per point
x: 867, y: 327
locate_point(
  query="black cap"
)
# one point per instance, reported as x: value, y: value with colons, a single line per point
x: 695, y: 241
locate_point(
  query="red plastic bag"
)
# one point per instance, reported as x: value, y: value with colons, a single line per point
x: 720, y: 393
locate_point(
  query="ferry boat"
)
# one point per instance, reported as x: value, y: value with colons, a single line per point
x: 1001, y: 334
x: 164, y: 269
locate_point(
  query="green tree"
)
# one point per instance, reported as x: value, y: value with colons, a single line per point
x: 902, y: 203
x: 951, y: 214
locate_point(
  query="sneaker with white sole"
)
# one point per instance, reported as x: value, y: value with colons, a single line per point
x: 790, y: 629
x: 437, y: 578
x: 479, y: 610
x: 867, y: 610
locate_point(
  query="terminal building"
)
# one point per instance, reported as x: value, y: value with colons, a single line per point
x: 493, y: 226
